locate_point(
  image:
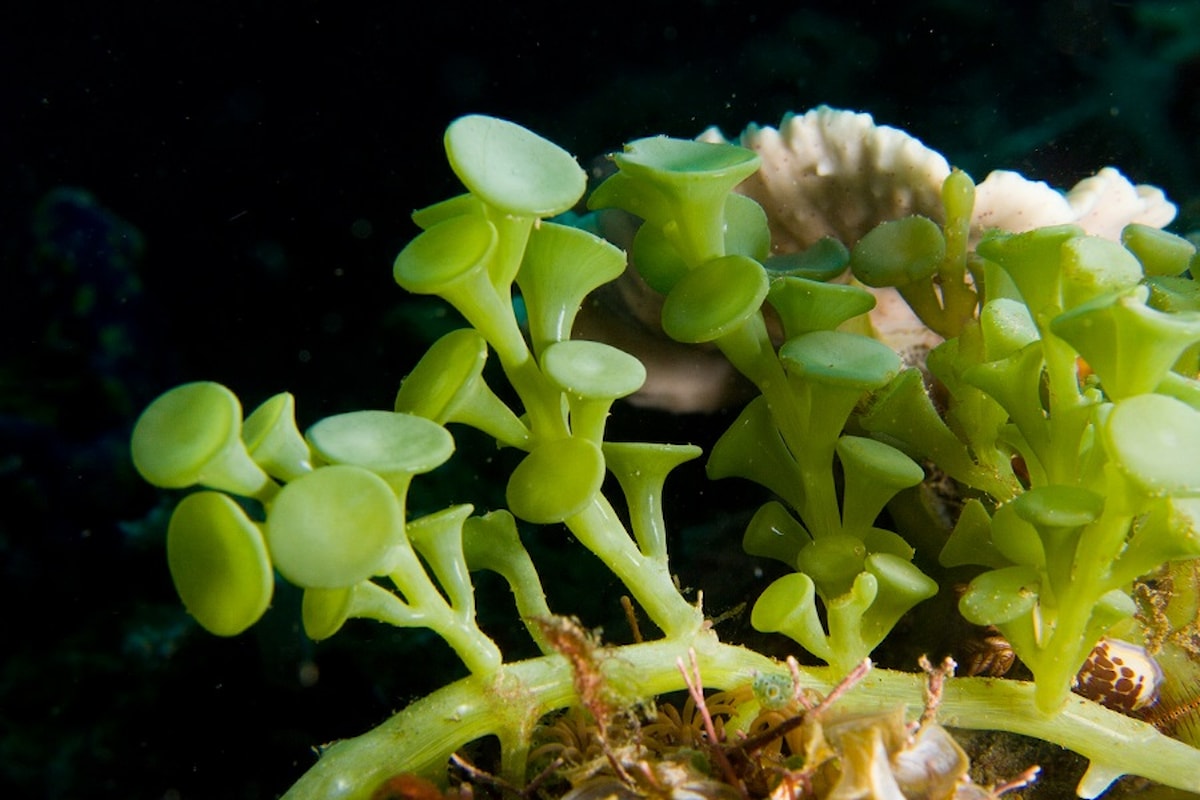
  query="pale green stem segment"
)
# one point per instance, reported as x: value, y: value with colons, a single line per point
x: 507, y: 704
x: 649, y: 579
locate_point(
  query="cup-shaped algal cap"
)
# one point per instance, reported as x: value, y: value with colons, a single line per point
x: 561, y: 266
x: 393, y: 446
x: 334, y: 527
x: 1159, y: 252
x: 788, y: 606
x: 1130, y: 345
x: 592, y: 370
x: 899, y: 252
x: 1154, y: 440
x: 219, y: 563
x: 714, y: 299
x: 875, y: 472
x: 837, y: 358
x: 806, y: 305
x: 273, y: 440
x: 512, y: 168
x: 447, y: 385
x: 445, y: 255
x: 685, y: 167
x: 556, y: 480
x: 191, y: 435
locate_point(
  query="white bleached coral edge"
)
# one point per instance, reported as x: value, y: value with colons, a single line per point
x: 830, y: 172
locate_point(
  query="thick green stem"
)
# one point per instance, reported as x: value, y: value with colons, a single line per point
x: 420, y: 738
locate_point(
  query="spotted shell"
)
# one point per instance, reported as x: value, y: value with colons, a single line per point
x: 1120, y: 676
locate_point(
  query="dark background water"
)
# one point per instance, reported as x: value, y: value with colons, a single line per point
x: 217, y: 190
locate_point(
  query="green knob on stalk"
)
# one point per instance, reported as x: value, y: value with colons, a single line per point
x: 1001, y: 595
x: 592, y: 375
x: 1032, y: 260
x: 191, y: 435
x: 752, y: 448
x: 323, y: 612
x: 219, y: 563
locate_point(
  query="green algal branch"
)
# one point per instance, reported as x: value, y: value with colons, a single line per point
x: 1062, y: 406
x: 507, y: 704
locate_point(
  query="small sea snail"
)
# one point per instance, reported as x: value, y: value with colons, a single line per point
x: 1120, y: 676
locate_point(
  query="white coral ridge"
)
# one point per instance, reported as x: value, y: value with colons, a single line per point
x: 830, y: 172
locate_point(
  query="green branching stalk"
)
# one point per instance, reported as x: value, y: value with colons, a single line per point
x: 507, y: 704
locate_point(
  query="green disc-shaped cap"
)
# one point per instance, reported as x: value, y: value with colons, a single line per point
x: 512, y: 168
x: 898, y: 252
x: 556, y: 480
x: 1000, y: 595
x: 192, y: 435
x: 806, y: 305
x: 714, y: 298
x: 592, y: 370
x: 824, y: 260
x: 334, y: 527
x: 685, y: 166
x: 394, y: 446
x: 219, y: 563
x: 1059, y: 506
x: 1155, y: 439
x: 839, y: 358
x: 445, y: 254
x: 1159, y: 252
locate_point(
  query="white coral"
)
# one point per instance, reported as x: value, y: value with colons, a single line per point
x: 836, y: 173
